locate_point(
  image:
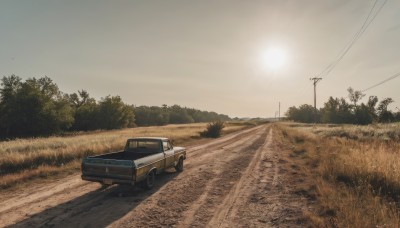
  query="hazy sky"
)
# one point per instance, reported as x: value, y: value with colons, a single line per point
x: 202, y: 54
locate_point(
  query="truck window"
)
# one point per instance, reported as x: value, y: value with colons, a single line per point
x: 143, y: 145
x: 167, y: 146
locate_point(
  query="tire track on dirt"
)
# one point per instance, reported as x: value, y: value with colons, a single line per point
x: 238, y: 196
x: 202, y: 205
x: 269, y: 198
x: 24, y: 204
x: 196, y: 151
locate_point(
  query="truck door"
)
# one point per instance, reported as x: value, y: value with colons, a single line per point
x: 169, y: 154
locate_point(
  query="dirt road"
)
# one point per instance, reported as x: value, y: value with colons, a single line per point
x: 235, y: 181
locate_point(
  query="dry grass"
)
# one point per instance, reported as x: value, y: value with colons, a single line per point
x: 384, y: 132
x: 26, y: 159
x: 357, y: 171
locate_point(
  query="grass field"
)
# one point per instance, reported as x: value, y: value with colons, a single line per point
x: 356, y: 171
x: 27, y: 159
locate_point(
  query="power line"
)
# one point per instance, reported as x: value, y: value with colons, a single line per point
x: 343, y: 51
x: 360, y: 32
x: 368, y: 20
x: 384, y: 81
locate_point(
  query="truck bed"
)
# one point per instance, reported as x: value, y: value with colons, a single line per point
x: 117, y: 166
x: 124, y: 155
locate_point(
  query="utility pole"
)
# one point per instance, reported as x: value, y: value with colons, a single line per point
x: 279, y: 116
x: 315, y: 81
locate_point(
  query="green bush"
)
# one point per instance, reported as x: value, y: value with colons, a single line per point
x: 213, y: 130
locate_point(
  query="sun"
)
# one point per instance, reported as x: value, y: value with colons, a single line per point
x: 274, y: 58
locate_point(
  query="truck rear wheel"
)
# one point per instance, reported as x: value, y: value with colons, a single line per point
x: 148, y: 183
x: 104, y: 185
x: 179, y: 166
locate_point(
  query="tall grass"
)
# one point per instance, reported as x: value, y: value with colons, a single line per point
x: 27, y: 158
x: 384, y: 132
x: 357, y: 171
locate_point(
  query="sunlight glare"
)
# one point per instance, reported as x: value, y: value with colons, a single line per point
x: 274, y: 58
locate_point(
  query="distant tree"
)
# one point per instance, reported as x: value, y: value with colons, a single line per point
x: 151, y: 116
x: 154, y: 115
x: 142, y: 115
x: 114, y: 114
x: 330, y: 111
x: 304, y: 114
x: 345, y: 112
x: 372, y: 101
x: 179, y: 115
x: 80, y: 99
x: 384, y: 115
x: 34, y: 107
x: 397, y: 116
x: 363, y: 115
x: 355, y: 95
x: 10, y: 87
x: 337, y: 111
x: 86, y: 111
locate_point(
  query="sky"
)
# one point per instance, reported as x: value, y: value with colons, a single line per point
x: 207, y: 54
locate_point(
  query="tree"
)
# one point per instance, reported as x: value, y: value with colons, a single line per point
x: 337, y: 111
x: 355, y: 95
x: 10, y: 87
x: 179, y: 115
x: 304, y: 114
x: 147, y: 116
x: 372, y: 101
x: 86, y: 111
x: 34, y: 107
x: 363, y: 115
x: 114, y: 114
x: 384, y: 115
x: 397, y: 116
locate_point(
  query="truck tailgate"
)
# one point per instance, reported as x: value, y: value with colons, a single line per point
x: 108, y: 168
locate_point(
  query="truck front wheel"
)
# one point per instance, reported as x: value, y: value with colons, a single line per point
x: 179, y: 166
x: 150, y: 180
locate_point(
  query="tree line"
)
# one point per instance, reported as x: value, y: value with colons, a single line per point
x: 155, y: 116
x: 339, y: 110
x: 36, y: 107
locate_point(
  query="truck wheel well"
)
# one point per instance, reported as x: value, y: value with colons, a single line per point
x: 153, y: 170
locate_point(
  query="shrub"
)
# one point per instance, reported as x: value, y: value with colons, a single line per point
x: 213, y: 130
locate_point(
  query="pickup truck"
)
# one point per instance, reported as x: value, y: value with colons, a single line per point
x: 139, y: 162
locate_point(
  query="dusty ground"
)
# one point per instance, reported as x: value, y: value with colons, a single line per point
x: 240, y: 180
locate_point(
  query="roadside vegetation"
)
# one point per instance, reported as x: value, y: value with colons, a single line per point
x: 25, y: 159
x: 356, y: 171
x: 213, y: 130
x: 340, y: 111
